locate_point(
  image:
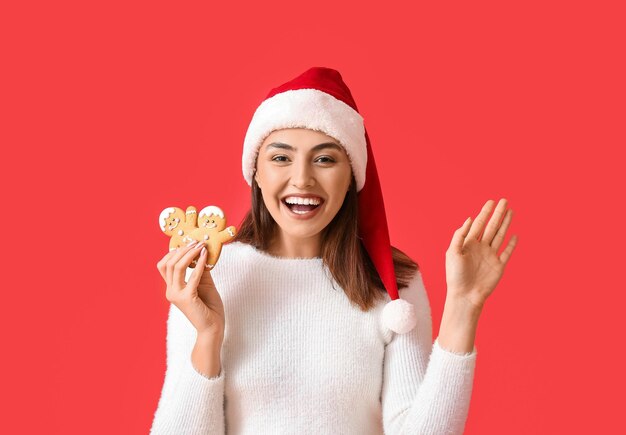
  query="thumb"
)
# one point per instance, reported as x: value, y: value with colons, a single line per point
x: 459, y: 236
x: 194, y: 279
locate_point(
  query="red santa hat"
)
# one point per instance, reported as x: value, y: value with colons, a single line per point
x: 318, y: 99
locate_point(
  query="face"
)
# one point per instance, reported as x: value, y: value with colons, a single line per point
x: 212, y: 222
x: 298, y: 161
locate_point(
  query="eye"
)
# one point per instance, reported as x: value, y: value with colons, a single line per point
x: 328, y: 159
x: 278, y: 157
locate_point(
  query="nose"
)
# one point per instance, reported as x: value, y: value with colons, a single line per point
x: 302, y: 175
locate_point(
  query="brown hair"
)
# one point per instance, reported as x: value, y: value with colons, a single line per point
x: 342, y: 250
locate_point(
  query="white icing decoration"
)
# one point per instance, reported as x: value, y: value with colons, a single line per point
x: 190, y: 212
x: 164, y: 215
x: 206, y: 237
x: 210, y: 211
x: 231, y: 232
x: 181, y: 232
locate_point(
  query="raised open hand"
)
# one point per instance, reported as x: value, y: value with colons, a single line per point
x: 473, y: 266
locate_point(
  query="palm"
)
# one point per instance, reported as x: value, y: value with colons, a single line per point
x: 473, y: 266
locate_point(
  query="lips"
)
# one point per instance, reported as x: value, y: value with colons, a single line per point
x: 301, y: 211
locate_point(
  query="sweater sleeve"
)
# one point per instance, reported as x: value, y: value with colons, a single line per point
x: 426, y: 389
x: 190, y: 402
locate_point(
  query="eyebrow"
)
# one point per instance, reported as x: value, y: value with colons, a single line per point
x: 321, y: 146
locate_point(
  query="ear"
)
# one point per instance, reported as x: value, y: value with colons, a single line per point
x: 257, y: 179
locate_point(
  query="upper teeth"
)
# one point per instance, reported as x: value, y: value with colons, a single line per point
x: 305, y: 201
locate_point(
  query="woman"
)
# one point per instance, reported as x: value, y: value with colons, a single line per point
x: 329, y: 326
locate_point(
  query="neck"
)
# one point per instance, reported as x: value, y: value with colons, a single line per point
x: 291, y: 247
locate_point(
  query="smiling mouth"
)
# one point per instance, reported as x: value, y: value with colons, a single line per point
x: 301, y: 208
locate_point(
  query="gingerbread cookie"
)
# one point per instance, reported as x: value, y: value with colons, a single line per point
x: 208, y: 227
x: 178, y: 224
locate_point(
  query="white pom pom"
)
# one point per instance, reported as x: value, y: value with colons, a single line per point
x: 399, y: 316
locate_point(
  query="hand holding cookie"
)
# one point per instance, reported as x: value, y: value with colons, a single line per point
x: 197, y: 299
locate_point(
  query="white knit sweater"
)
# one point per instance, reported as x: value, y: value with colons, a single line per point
x: 298, y: 358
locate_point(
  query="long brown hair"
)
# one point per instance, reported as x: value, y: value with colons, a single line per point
x: 342, y: 250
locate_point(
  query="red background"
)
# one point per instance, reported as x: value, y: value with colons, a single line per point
x: 112, y: 111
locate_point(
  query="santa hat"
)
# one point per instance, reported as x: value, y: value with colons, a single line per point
x: 318, y: 99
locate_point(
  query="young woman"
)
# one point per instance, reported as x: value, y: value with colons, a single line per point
x: 311, y: 322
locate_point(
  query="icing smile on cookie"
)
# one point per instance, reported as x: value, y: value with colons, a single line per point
x: 302, y: 204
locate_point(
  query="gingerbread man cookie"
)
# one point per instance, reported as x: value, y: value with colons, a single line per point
x: 208, y: 227
x: 178, y: 224
x: 212, y: 230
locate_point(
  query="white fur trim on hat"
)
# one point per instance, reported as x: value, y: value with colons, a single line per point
x: 312, y: 109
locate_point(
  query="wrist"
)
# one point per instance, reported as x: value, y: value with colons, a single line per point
x: 459, y: 323
x: 206, y: 355
x: 461, y: 304
x: 213, y: 339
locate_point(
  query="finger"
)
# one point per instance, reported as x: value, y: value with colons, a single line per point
x: 459, y: 236
x: 499, y: 237
x: 180, y: 268
x: 163, y: 261
x: 506, y: 254
x: 194, y: 279
x: 171, y: 263
x: 481, y: 219
x: 494, y: 222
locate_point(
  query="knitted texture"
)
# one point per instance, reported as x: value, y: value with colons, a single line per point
x: 299, y: 358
